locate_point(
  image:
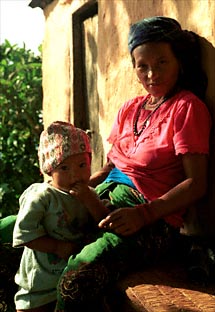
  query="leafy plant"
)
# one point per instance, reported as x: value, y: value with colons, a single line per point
x: 20, y: 123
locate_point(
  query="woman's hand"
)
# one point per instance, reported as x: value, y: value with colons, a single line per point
x: 129, y: 220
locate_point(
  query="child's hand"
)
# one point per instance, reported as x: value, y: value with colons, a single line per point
x: 80, y: 190
x: 90, y: 200
x: 65, y: 249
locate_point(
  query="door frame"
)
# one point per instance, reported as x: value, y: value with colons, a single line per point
x: 86, y: 11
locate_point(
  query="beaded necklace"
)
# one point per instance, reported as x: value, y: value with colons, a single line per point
x: 136, y: 132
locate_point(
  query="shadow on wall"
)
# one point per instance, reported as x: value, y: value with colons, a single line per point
x: 207, y: 211
x: 208, y: 60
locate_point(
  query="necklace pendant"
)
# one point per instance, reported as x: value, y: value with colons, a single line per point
x: 147, y: 120
x: 147, y: 123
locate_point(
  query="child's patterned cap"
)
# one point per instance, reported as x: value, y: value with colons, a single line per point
x: 59, y: 141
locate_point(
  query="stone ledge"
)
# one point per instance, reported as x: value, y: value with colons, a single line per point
x: 165, y: 288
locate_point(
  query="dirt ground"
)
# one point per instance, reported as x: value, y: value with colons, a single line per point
x: 9, y: 263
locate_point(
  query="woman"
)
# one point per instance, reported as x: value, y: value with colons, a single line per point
x: 157, y: 166
x: 157, y: 139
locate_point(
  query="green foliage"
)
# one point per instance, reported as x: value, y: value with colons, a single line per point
x: 20, y: 123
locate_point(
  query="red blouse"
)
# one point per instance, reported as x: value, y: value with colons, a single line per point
x: 180, y: 125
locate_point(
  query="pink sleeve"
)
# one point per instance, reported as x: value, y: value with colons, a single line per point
x: 192, y: 125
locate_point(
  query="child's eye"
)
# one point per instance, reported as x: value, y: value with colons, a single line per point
x: 83, y: 165
x: 162, y: 62
x: 64, y: 168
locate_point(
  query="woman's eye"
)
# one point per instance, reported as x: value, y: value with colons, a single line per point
x: 83, y: 165
x: 142, y: 66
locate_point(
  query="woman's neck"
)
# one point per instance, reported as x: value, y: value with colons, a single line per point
x: 153, y: 102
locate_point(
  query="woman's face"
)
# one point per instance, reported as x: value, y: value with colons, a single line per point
x: 156, y: 67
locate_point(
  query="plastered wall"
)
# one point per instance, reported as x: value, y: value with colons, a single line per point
x: 116, y: 79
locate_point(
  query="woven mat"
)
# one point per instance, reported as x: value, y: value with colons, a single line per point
x: 164, y: 289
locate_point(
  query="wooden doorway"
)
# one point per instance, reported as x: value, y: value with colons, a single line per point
x: 86, y: 100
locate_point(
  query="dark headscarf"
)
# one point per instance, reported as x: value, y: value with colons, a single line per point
x: 156, y: 28
x: 185, y: 45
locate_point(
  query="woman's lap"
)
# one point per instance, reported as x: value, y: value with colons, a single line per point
x: 101, y: 263
x: 87, y: 277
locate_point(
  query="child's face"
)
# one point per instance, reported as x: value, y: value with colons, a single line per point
x: 75, y: 168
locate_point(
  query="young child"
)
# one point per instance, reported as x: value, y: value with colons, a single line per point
x: 56, y: 218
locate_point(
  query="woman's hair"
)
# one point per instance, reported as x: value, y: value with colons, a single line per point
x: 185, y: 45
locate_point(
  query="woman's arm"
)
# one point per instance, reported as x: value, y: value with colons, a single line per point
x: 99, y: 176
x: 127, y: 221
x: 188, y: 191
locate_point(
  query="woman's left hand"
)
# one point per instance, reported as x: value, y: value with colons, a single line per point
x: 126, y: 221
